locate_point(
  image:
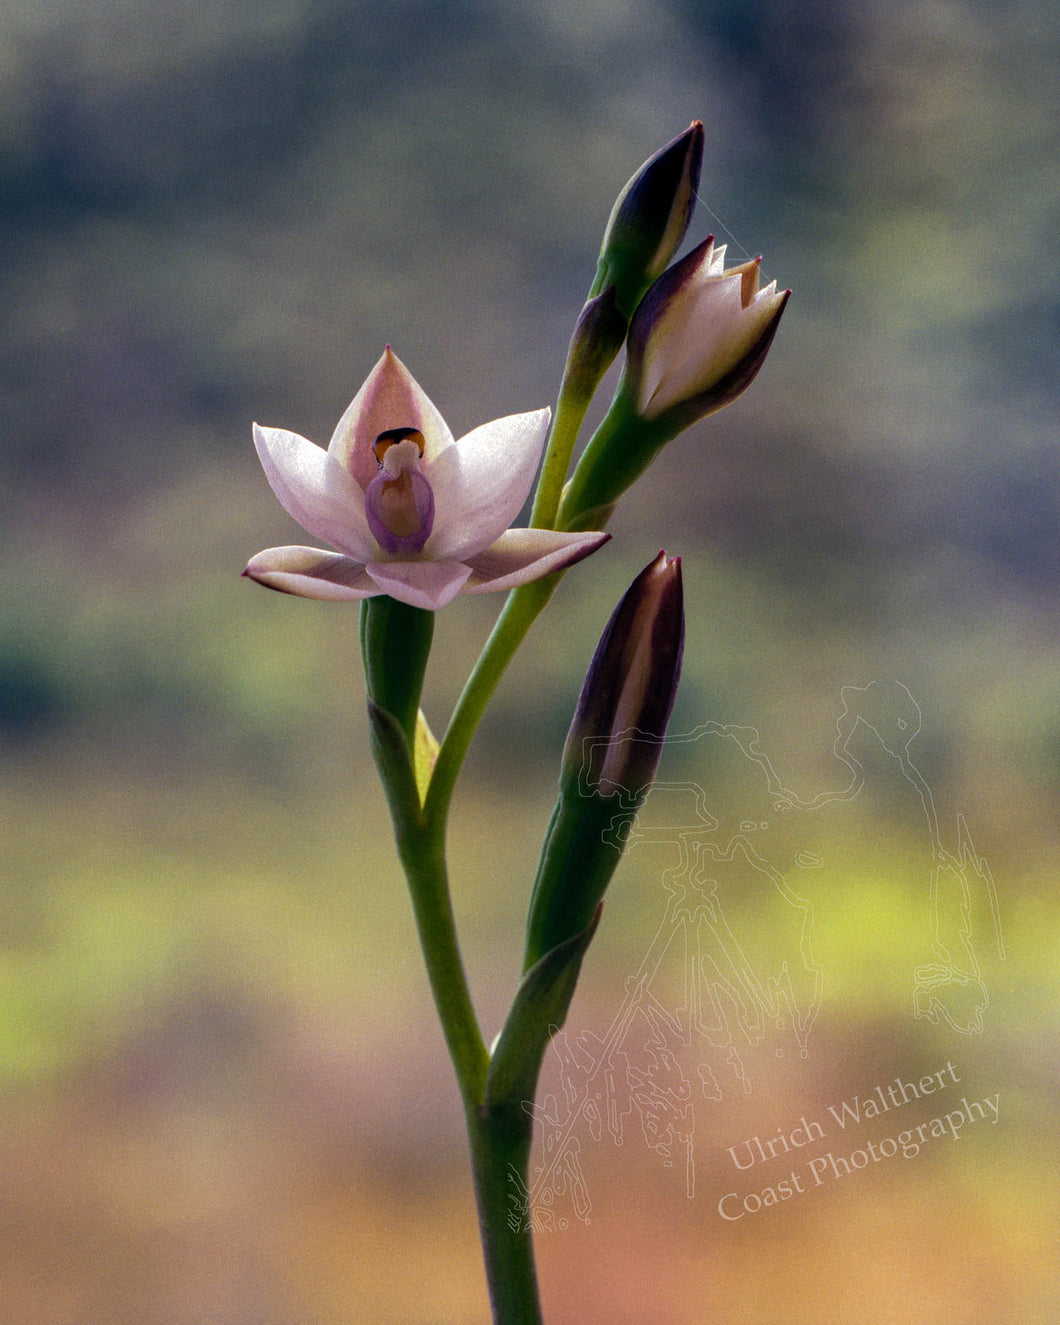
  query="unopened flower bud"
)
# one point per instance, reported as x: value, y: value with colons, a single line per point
x: 615, y: 740
x: 612, y: 752
x: 649, y: 219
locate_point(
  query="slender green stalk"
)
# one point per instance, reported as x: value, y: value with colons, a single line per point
x: 570, y: 412
x: 518, y: 615
x: 597, y: 338
x: 499, y: 1135
x: 500, y: 1154
x: 594, y: 486
x: 423, y: 858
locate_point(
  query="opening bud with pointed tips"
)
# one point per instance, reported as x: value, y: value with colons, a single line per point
x: 700, y: 335
x: 695, y: 343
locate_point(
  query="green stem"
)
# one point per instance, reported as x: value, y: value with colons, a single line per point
x: 619, y: 451
x: 518, y: 615
x: 570, y: 411
x: 598, y: 336
x: 422, y: 854
x: 500, y: 1155
x: 594, y: 488
x: 499, y: 1135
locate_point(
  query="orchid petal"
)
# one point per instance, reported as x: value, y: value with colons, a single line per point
x: 390, y: 398
x: 522, y: 555
x: 428, y: 584
x: 315, y: 490
x: 482, y: 481
x: 310, y: 573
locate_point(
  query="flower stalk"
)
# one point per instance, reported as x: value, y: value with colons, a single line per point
x: 500, y: 1141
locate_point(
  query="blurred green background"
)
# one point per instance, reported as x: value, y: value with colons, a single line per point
x: 224, y: 1098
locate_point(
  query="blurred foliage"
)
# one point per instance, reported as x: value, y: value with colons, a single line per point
x: 213, y: 1039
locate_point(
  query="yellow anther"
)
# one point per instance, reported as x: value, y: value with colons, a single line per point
x: 392, y: 436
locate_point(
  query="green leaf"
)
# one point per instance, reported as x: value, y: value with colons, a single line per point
x: 537, y: 1012
x: 394, y: 760
x: 578, y: 859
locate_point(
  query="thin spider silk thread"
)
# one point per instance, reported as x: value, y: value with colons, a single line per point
x: 746, y: 253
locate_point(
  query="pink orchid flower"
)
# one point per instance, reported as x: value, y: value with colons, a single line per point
x: 411, y: 512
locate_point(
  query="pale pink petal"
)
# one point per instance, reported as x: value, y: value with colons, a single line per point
x: 310, y: 572
x: 314, y: 488
x: 699, y: 322
x: 429, y: 584
x: 522, y: 555
x: 480, y: 484
x: 390, y: 398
